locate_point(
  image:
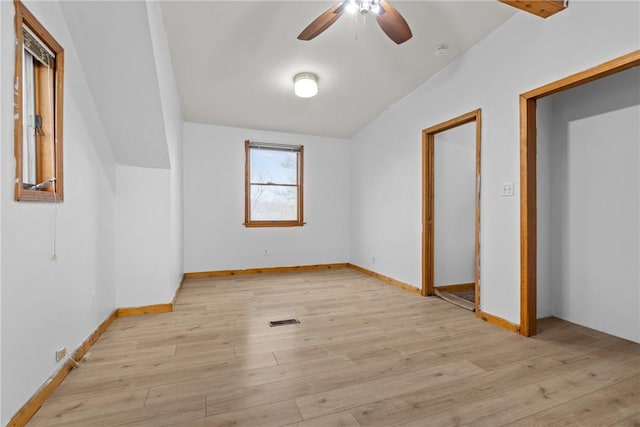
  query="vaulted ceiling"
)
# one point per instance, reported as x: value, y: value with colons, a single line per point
x: 234, y: 63
x: 235, y: 60
x: 114, y: 45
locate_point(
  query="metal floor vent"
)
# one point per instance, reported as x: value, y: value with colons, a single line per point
x: 283, y: 322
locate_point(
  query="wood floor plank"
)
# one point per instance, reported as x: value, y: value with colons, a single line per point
x: 271, y: 415
x: 632, y: 421
x: 349, y: 397
x: 339, y: 419
x: 183, y: 412
x: 533, y: 398
x: 118, y: 354
x: 300, y: 353
x: 60, y: 411
x: 424, y: 403
x: 222, y: 399
x: 244, y: 378
x: 365, y: 353
x: 604, y: 407
x: 220, y: 371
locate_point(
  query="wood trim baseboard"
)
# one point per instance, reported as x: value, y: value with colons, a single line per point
x: 498, y: 321
x: 152, y: 309
x: 29, y: 409
x: 145, y: 309
x: 223, y: 273
x: 91, y: 340
x: 461, y: 287
x: 387, y: 279
x: 175, y: 296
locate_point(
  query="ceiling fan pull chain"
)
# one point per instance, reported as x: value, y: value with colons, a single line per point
x: 355, y: 26
x: 364, y: 22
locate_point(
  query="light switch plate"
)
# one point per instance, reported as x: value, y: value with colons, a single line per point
x: 507, y: 189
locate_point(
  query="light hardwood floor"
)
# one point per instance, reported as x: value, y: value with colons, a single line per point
x: 365, y: 354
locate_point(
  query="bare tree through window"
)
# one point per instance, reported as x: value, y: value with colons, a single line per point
x: 273, y: 184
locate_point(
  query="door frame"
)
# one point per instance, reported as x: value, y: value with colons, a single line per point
x: 428, y: 146
x: 528, y: 177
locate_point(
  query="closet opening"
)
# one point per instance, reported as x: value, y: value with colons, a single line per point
x: 451, y: 210
x: 595, y: 158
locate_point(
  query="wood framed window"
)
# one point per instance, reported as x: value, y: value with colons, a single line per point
x: 38, y: 100
x: 273, y: 185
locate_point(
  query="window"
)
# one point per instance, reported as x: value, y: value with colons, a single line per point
x: 38, y: 81
x: 273, y: 185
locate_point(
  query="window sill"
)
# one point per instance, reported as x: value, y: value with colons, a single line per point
x: 258, y: 224
x: 24, y: 194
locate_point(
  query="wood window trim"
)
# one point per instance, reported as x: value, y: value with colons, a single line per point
x: 428, y: 205
x: 247, y: 194
x: 528, y: 177
x: 53, y: 146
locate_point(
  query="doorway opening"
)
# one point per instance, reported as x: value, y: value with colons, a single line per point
x: 451, y: 210
x: 529, y: 178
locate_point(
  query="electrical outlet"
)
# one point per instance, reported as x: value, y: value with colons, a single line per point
x: 373, y: 260
x: 507, y: 189
x: 60, y: 353
x: 266, y: 252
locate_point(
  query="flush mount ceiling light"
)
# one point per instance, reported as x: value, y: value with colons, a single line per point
x: 305, y: 85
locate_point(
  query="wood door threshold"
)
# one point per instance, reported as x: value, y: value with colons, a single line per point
x: 454, y: 299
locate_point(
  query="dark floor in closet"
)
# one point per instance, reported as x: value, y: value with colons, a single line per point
x: 464, y: 299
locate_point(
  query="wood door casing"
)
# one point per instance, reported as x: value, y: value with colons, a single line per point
x: 528, y: 177
x: 428, y: 148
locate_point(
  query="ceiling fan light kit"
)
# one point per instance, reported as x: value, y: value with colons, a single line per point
x: 363, y: 6
x: 305, y: 85
x: 388, y: 18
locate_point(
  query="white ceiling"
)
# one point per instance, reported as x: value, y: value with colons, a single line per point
x: 114, y: 45
x: 234, y: 61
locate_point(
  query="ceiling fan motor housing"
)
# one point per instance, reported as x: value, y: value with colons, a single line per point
x: 387, y: 17
x: 363, y: 6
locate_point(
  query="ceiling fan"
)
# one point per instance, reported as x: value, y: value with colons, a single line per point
x: 389, y: 19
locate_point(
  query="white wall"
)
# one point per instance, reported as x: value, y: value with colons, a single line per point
x: 48, y: 303
x: 172, y: 113
x: 544, y: 140
x: 454, y: 205
x: 114, y: 42
x: 215, y: 238
x: 62, y: 302
x: 595, y: 205
x: 149, y: 200
x: 524, y: 53
x: 144, y: 252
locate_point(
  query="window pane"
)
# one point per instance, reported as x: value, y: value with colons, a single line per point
x: 28, y: 120
x: 273, y: 166
x: 273, y: 203
x: 38, y: 144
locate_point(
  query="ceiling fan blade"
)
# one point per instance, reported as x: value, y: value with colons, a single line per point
x: 393, y: 24
x: 322, y: 22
